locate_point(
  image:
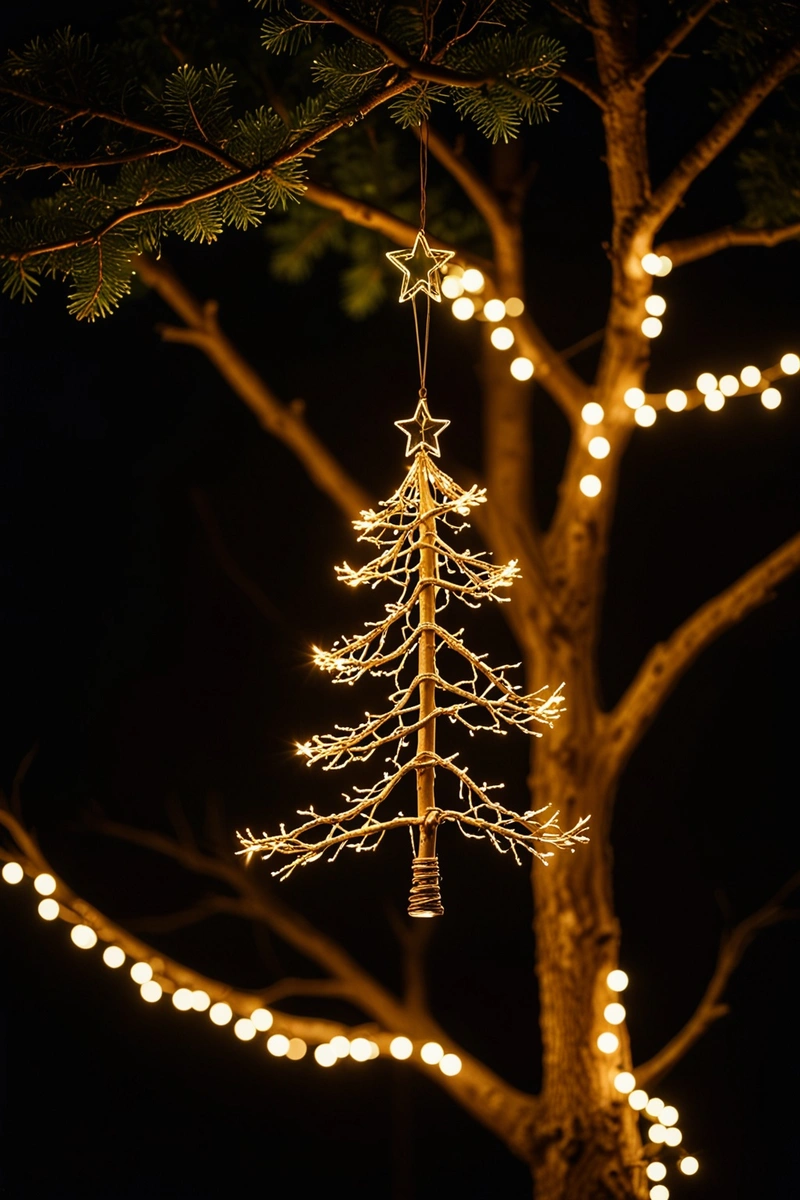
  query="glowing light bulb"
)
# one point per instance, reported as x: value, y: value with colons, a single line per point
x: 431, y: 1053
x: 296, y: 1049
x: 607, y: 1043
x: 83, y: 936
x: 452, y: 286
x: 706, y: 382
x: 463, y: 308
x: 279, y: 1046
x: 617, y: 981
x: 655, y: 305
x: 324, y: 1055
x: 473, y: 280
x: 654, y: 1107
x: 624, y: 1082
x: 668, y: 1115
x: 244, y: 1029
x: 401, y: 1048
x: 651, y: 327
x: 151, y: 991
x: 651, y: 263
x: 637, y: 1100
x: 360, y: 1049
x: 645, y: 416
x: 13, y: 873
x: 220, y: 1013
x: 659, y: 1192
x: 49, y: 909
x: 599, y: 447
x: 141, y: 972
x: 657, y: 1134
x: 592, y: 413
x: 521, y: 368
x: 655, y: 1171
x: 750, y: 376
x: 770, y: 397
x: 673, y: 1137
x: 514, y: 306
x: 714, y: 401
x: 114, y: 957
x: 590, y: 485
x: 614, y: 1013
x: 729, y: 385
x: 182, y: 999
x: 44, y: 884
x: 262, y: 1019
x: 340, y: 1046
x: 494, y: 310
x: 689, y: 1165
x: 634, y: 397
x: 450, y: 1064
x: 502, y: 338
x: 374, y: 1050
x: 790, y: 364
x: 676, y: 400
x: 200, y: 1000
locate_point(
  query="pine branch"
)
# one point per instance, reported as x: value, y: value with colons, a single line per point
x: 686, y: 250
x: 673, y: 39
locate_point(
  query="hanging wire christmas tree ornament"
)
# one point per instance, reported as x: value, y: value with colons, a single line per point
x: 412, y: 532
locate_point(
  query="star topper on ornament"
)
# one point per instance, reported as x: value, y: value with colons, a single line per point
x: 422, y: 430
x: 420, y: 266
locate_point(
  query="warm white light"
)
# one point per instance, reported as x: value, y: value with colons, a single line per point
x: 790, y: 364
x: 521, y: 368
x: 689, y: 1165
x: 431, y: 1053
x: 279, y: 1046
x: 645, y: 416
x: 141, y: 972
x: 659, y: 1192
x: 590, y: 485
x: 262, y: 1019
x: 452, y: 286
x: 13, y: 872
x: 200, y: 1000
x: 706, y: 382
x: 655, y: 305
x: 83, y: 936
x: 770, y: 397
x: 750, y: 376
x: 655, y: 1171
x: 514, y: 306
x: 297, y: 1049
x: 473, y: 280
x: 614, y: 1013
x: 494, y: 310
x: 463, y: 308
x: 245, y: 1030
x: 664, y: 265
x: 651, y: 263
x: 624, y: 1082
x: 673, y: 1137
x: 220, y: 1013
x: 651, y: 327
x: 360, y: 1049
x: 114, y: 957
x: 450, y: 1064
x: 617, y: 980
x: 599, y: 447
x: 634, y: 397
x: 151, y: 991
x: 637, y: 1100
x: 400, y: 1047
x: 654, y: 1107
x: 374, y: 1050
x: 657, y: 1134
x: 668, y: 1115
x: 607, y: 1042
x: 502, y: 338
x: 48, y: 909
x: 592, y: 413
x: 714, y: 401
x: 44, y: 884
x: 182, y: 999
x: 729, y: 385
x: 676, y: 400
x: 340, y: 1046
x: 324, y: 1055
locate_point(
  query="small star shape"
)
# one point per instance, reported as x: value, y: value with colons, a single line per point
x: 420, y: 266
x: 422, y: 430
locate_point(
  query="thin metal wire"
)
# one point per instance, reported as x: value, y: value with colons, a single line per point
x: 423, y: 340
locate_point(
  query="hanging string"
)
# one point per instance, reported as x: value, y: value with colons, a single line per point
x: 424, y: 337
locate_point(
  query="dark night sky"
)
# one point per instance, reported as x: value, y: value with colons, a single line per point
x: 143, y: 674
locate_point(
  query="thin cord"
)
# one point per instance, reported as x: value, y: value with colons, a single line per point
x: 423, y: 341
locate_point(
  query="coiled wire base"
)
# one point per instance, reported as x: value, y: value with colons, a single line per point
x: 425, y: 899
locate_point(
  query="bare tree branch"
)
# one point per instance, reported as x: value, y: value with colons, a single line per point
x: 732, y: 948
x: 686, y: 250
x: 583, y: 83
x: 673, y: 39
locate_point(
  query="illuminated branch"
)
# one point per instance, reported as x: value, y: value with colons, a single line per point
x: 686, y: 250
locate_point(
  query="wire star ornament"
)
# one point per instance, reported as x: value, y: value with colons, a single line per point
x: 422, y: 430
x: 420, y: 266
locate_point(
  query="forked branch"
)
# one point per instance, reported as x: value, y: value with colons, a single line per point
x: 686, y: 250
